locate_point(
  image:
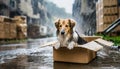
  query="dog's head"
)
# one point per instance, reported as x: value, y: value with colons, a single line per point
x: 64, y: 26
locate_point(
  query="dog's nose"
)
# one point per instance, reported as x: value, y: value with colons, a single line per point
x: 62, y: 32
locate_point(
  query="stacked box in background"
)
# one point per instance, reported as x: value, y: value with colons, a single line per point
x: 7, y: 28
x: 22, y: 31
x: 11, y: 28
x: 21, y: 26
x: 2, y: 33
x: 106, y: 12
x: 13, y: 31
x: 108, y: 3
x: 2, y: 25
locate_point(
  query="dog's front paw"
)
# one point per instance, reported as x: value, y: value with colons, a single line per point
x: 71, y: 45
x: 57, y: 45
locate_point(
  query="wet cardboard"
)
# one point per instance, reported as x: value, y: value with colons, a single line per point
x: 77, y: 55
x: 80, y: 53
x: 104, y: 42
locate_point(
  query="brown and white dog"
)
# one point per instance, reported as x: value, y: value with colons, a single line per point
x: 66, y: 34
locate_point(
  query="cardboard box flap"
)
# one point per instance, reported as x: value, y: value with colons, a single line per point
x: 52, y: 43
x: 90, y: 38
x: 104, y: 42
x: 92, y: 46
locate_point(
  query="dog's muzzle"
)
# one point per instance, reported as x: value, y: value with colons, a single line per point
x: 62, y: 32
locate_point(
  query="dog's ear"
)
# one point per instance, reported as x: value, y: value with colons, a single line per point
x: 57, y: 23
x: 72, y: 23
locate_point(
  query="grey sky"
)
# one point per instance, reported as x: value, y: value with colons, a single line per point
x: 67, y: 4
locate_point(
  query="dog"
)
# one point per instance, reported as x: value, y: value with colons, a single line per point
x: 66, y: 35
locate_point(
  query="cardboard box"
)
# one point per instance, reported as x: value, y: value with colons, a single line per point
x: 107, y: 19
x: 91, y: 38
x: 108, y: 3
x: 102, y: 27
x: 107, y: 25
x: 109, y: 10
x: 20, y: 19
x: 80, y: 54
x: 21, y: 35
x: 22, y: 31
x: 77, y: 55
x: 2, y: 34
x: 6, y: 30
x: 13, y: 31
x: 1, y: 26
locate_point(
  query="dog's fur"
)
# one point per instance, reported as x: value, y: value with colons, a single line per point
x: 66, y: 35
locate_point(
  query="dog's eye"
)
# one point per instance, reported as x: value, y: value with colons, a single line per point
x: 60, y: 26
x: 66, y: 26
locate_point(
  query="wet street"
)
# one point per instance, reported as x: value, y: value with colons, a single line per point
x: 30, y: 55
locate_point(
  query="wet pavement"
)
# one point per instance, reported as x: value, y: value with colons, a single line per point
x: 30, y: 55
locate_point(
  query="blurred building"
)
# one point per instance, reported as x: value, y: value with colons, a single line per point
x: 4, y: 7
x: 9, y: 7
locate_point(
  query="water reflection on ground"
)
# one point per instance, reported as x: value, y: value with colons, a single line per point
x: 29, y: 55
